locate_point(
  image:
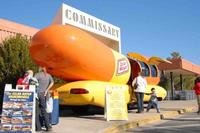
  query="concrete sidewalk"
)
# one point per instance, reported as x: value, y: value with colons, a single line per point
x: 98, y: 124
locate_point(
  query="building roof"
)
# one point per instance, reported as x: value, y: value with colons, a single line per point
x: 180, y: 66
x: 9, y: 28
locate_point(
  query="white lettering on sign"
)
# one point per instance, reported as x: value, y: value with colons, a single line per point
x: 122, y: 66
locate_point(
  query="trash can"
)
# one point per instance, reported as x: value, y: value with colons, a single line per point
x: 55, y: 112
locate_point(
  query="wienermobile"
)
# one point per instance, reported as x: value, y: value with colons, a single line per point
x: 89, y: 65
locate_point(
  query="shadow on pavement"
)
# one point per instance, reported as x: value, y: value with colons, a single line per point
x: 76, y: 111
x: 182, y: 119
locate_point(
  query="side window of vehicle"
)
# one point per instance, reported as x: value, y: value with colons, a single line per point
x: 145, y: 69
x: 154, y: 72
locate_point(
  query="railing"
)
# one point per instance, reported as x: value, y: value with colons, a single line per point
x: 181, y: 95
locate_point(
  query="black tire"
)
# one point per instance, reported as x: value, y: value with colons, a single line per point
x: 131, y: 106
x: 80, y: 109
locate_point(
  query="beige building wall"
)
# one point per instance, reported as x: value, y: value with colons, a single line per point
x: 9, y: 28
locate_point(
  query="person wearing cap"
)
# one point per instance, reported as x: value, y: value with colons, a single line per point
x: 25, y: 80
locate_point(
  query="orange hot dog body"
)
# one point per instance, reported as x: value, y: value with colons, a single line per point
x: 72, y: 54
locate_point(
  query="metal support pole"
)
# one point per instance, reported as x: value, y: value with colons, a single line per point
x: 172, y: 85
x: 181, y: 81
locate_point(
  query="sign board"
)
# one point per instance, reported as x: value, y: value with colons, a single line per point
x: 18, y: 111
x: 116, y: 107
x: 69, y: 15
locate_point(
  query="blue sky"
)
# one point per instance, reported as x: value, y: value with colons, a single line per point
x: 149, y: 27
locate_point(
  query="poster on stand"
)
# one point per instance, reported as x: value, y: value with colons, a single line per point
x: 116, y: 107
x: 18, y: 110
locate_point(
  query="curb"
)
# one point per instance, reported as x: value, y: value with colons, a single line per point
x: 118, y: 128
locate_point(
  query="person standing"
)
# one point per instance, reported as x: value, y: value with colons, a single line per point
x: 139, y: 84
x: 45, y: 81
x: 196, y: 88
x: 34, y: 81
x: 25, y: 80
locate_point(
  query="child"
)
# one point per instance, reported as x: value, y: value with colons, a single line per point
x: 153, y: 101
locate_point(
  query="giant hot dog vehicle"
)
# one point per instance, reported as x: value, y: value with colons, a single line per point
x: 88, y: 65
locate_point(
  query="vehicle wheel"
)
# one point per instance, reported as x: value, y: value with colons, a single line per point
x: 159, y: 98
x: 80, y: 109
x: 131, y: 106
